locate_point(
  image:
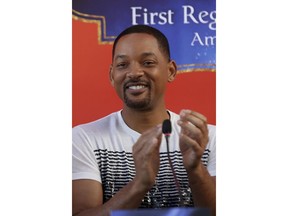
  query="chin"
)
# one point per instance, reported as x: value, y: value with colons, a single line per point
x: 139, y: 105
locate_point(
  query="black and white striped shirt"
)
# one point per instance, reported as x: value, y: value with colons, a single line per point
x: 102, y: 151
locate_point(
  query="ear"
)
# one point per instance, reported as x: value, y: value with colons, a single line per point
x: 172, y: 71
x: 111, y: 76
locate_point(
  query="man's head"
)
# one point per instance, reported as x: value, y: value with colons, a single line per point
x: 141, y: 67
x: 158, y: 35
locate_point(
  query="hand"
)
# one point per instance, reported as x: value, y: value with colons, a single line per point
x: 193, y: 137
x: 146, y: 157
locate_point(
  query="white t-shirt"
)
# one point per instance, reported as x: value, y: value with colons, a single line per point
x: 102, y: 151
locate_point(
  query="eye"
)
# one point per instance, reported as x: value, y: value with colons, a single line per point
x: 149, y: 63
x: 121, y: 65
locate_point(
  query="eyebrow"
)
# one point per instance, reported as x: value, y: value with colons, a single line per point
x: 147, y: 54
x: 120, y: 57
x: 143, y: 55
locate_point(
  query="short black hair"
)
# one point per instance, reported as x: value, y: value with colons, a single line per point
x: 160, y: 37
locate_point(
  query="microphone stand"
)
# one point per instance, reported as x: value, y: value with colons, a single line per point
x: 166, y: 130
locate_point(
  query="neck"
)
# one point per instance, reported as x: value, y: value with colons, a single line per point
x: 141, y: 121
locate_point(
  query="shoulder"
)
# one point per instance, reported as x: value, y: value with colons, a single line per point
x: 174, y: 117
x: 212, y: 138
x: 212, y: 129
x: 97, y: 126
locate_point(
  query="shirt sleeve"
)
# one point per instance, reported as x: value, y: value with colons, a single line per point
x: 84, y: 163
x: 211, y: 166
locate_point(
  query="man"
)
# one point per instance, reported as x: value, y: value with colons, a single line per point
x: 121, y: 160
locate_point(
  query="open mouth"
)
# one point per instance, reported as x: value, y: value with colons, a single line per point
x: 136, y: 88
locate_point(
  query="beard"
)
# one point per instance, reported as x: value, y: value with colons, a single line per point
x: 137, y: 104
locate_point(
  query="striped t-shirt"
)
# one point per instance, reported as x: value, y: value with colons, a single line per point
x: 102, y: 151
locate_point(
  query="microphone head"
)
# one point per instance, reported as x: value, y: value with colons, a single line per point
x: 166, y: 127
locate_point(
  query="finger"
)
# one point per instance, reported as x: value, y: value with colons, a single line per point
x: 191, y: 143
x: 194, y: 113
x: 192, y: 116
x: 154, y: 139
x: 148, y: 138
x: 190, y: 130
x: 195, y: 118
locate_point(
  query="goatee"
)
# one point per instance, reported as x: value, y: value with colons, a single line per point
x: 137, y: 104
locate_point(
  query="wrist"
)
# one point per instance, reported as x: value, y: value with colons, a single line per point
x: 139, y: 187
x: 197, y: 174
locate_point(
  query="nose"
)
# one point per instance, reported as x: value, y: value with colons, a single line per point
x: 135, y: 71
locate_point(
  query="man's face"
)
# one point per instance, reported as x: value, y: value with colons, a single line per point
x: 139, y: 72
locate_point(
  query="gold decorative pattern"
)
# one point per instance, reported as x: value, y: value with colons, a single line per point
x: 98, y: 20
x: 196, y: 70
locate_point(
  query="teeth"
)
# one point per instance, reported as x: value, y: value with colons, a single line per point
x: 136, y: 87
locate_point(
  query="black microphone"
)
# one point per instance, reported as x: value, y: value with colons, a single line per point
x: 166, y: 130
x: 166, y: 127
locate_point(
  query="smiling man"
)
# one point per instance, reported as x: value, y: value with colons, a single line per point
x: 120, y: 161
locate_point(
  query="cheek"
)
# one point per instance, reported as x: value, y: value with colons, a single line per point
x: 161, y: 82
x: 117, y: 78
x: 118, y: 81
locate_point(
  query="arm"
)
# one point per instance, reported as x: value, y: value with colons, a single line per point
x: 203, y: 187
x: 87, y: 194
x: 193, y: 141
x: 87, y: 198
